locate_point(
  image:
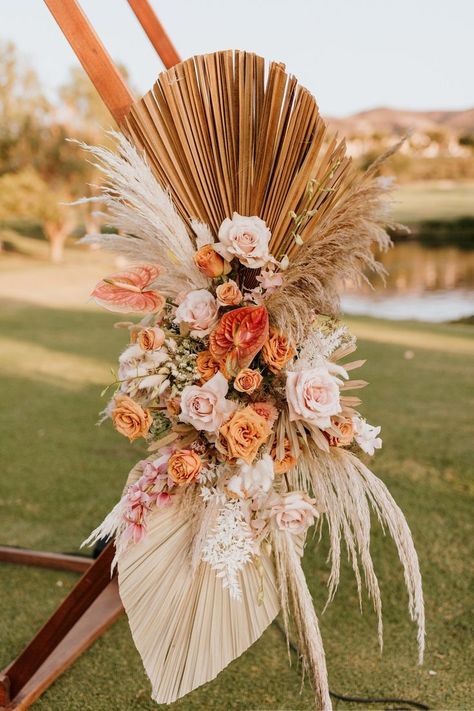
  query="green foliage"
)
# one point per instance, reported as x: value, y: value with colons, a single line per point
x: 61, y: 475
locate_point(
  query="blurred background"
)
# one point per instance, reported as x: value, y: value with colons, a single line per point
x: 379, y: 71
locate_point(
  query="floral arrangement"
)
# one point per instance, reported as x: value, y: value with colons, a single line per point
x: 229, y: 400
x: 238, y: 377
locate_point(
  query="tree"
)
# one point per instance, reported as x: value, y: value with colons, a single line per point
x: 26, y: 196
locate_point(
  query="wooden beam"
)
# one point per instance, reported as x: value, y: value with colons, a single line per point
x: 155, y: 32
x: 44, y: 559
x: 81, y: 597
x: 93, y: 56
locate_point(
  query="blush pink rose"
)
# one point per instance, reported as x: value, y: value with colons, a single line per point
x: 294, y: 512
x: 205, y: 407
x: 198, y: 310
x: 313, y: 395
x: 246, y: 239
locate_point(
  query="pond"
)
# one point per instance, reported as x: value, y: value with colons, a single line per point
x: 424, y: 283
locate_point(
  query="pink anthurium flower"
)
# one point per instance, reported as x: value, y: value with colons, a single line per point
x: 130, y: 291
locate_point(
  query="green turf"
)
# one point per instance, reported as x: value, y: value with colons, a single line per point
x: 435, y: 200
x: 61, y: 474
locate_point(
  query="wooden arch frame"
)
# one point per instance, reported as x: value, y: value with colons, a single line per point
x: 94, y: 603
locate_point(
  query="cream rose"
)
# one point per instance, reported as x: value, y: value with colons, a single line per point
x: 198, y: 310
x: 150, y: 339
x: 205, y: 407
x: 294, y: 512
x: 244, y: 238
x: 313, y: 395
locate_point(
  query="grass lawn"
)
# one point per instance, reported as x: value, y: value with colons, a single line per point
x: 61, y: 474
x: 437, y: 200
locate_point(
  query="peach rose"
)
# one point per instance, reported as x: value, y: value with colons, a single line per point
x: 277, y: 350
x: 313, y: 395
x: 246, y: 238
x: 346, y: 429
x: 239, y: 336
x: 243, y: 435
x: 184, y: 466
x: 173, y: 406
x: 229, y: 294
x: 294, y: 512
x: 150, y: 339
x: 129, y: 418
x: 206, y: 365
x: 198, y: 311
x: 281, y: 466
x: 267, y: 410
x: 247, y: 381
x: 205, y: 406
x: 210, y: 263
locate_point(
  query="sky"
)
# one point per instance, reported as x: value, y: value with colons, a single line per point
x: 352, y: 54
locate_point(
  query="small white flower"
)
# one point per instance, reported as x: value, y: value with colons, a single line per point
x: 366, y: 435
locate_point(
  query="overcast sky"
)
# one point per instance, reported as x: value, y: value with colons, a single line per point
x: 352, y: 54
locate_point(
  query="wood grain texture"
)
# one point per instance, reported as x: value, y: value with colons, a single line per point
x: 45, y: 559
x: 155, y: 32
x: 93, y: 56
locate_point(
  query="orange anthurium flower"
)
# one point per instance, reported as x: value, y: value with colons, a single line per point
x: 239, y: 336
x: 130, y: 291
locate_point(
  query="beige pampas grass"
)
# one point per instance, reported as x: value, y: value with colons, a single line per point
x: 185, y: 625
x: 141, y: 209
x: 297, y: 601
x: 346, y: 490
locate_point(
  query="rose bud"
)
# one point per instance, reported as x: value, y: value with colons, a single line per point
x: 210, y: 263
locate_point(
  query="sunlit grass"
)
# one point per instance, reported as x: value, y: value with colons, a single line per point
x: 61, y: 474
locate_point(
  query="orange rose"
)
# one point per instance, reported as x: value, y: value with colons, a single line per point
x: 150, y: 339
x: 267, y: 410
x: 239, y: 336
x: 206, y: 365
x: 184, y: 466
x: 229, y: 294
x: 346, y: 429
x: 277, y: 350
x: 247, y: 381
x: 243, y: 435
x: 129, y: 418
x: 173, y: 406
x: 210, y: 263
x: 281, y: 466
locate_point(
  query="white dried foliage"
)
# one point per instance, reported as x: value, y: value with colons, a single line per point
x: 138, y: 206
x: 230, y: 546
x: 346, y: 491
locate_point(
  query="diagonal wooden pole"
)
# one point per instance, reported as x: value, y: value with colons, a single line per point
x: 93, y: 56
x: 155, y: 32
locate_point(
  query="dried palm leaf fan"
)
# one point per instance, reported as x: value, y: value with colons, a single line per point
x: 223, y: 134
